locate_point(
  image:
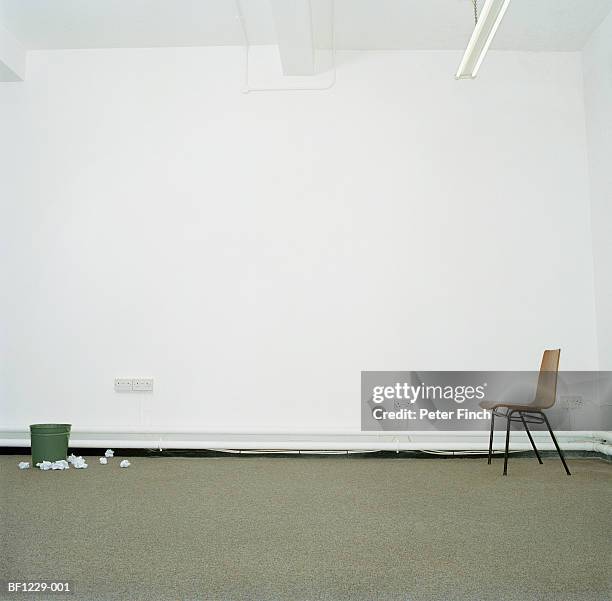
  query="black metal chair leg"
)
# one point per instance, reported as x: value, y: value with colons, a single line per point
x: 508, y: 416
x: 491, y: 437
x: 552, y: 435
x: 535, y: 450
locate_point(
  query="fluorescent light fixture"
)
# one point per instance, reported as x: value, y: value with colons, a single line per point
x: 490, y: 17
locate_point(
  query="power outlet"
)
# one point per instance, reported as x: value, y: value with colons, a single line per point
x: 398, y: 404
x: 572, y: 402
x: 142, y: 384
x: 123, y: 384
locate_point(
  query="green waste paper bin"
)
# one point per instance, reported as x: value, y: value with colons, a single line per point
x: 49, y: 442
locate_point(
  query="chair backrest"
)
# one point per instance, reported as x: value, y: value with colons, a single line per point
x: 546, y: 392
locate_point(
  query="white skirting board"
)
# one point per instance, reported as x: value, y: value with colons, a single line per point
x: 184, y: 438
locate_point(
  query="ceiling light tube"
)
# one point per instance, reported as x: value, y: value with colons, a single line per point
x: 490, y: 17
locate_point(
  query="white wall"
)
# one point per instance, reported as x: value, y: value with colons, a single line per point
x: 597, y: 67
x: 254, y: 252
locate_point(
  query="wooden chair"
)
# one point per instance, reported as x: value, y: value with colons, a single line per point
x: 532, y: 413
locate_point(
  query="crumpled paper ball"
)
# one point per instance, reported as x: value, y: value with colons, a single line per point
x: 77, y: 462
x: 62, y: 464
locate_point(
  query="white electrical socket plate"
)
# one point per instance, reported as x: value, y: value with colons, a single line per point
x: 142, y: 384
x: 123, y: 385
x: 572, y: 402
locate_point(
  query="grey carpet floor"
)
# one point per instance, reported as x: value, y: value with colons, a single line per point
x: 310, y: 529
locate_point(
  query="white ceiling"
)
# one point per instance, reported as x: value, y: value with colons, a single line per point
x: 360, y: 24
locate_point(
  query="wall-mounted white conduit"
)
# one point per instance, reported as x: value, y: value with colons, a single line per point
x: 247, y: 45
x: 344, y: 440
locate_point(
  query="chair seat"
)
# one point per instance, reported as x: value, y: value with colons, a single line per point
x: 512, y: 406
